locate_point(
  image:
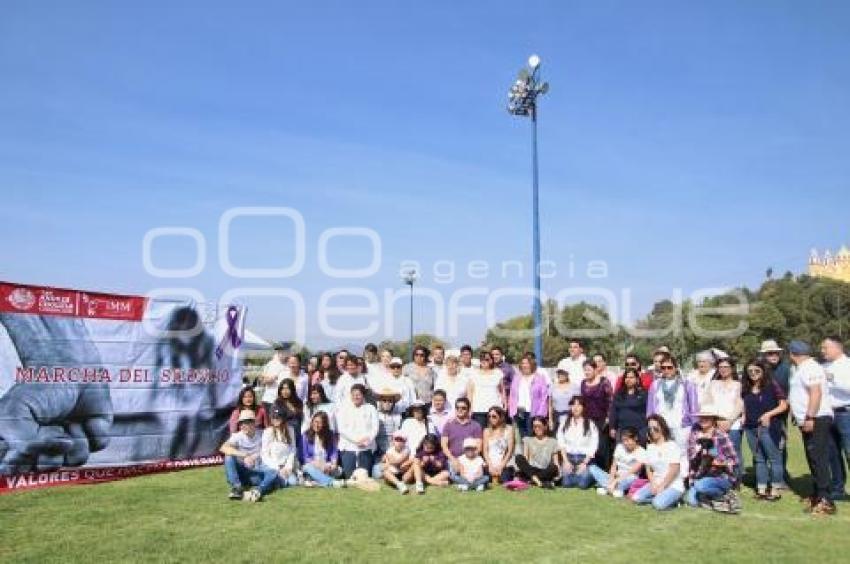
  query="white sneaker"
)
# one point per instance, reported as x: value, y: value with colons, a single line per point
x: 338, y: 484
x: 402, y: 489
x: 462, y: 488
x: 602, y: 491
x: 253, y: 495
x: 480, y: 488
x: 617, y: 493
x: 420, y: 488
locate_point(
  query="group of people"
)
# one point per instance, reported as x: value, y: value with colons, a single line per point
x: 658, y: 436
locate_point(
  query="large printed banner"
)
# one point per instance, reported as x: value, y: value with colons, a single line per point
x: 97, y: 387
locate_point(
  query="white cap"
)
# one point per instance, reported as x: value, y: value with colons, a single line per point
x: 396, y: 360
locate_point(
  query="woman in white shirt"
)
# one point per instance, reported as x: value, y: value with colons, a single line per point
x: 485, y: 389
x: 415, y: 427
x: 278, y: 449
x: 663, y: 468
x: 578, y: 439
x: 724, y: 393
x: 498, y: 445
x: 452, y: 381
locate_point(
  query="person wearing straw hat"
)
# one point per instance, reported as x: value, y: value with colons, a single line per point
x: 713, y: 462
x: 243, y: 464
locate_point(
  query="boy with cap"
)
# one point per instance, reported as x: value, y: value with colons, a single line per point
x: 242, y: 461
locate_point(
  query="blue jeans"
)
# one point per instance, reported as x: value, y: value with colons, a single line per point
x: 667, y: 499
x: 479, y: 481
x: 839, y: 450
x: 708, y: 488
x: 576, y: 479
x: 318, y: 476
x: 603, y: 478
x: 240, y: 476
x: 736, y: 436
x: 353, y: 460
x: 765, y: 453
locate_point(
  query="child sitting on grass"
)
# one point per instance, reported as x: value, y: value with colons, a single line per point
x: 430, y: 464
x: 398, y: 463
x: 471, y: 475
x: 629, y: 458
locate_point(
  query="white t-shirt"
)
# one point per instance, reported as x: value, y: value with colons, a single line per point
x: 808, y: 374
x: 486, y: 392
x: 726, y: 397
x: 625, y: 460
x: 573, y: 439
x: 277, y: 453
x: 660, y: 457
x: 342, y: 392
x: 454, y: 386
x: 471, y: 468
x: 355, y: 423
x: 524, y: 395
x: 248, y: 445
x: 701, y: 382
x: 838, y: 376
x: 278, y: 370
x: 414, y: 431
x: 574, y: 367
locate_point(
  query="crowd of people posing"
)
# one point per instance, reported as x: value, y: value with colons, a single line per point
x: 658, y: 436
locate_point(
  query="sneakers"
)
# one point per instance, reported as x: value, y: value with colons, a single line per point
x: 420, y: 488
x: 338, y: 484
x: 481, y: 488
x: 253, y: 495
x: 462, y: 488
x: 402, y: 488
x: 537, y: 481
x: 235, y: 493
x: 617, y: 494
x: 602, y: 491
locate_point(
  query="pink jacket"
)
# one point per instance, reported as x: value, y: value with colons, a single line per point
x: 539, y: 394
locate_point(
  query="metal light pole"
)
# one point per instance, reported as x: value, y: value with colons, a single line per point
x: 523, y: 102
x: 409, y: 277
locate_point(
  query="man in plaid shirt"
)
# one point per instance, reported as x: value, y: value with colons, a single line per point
x: 712, y: 460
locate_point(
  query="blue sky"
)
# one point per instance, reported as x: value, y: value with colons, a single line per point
x: 686, y: 144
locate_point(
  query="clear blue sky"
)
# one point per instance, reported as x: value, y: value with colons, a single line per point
x: 686, y: 144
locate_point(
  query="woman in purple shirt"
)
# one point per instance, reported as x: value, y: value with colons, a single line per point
x: 597, y: 392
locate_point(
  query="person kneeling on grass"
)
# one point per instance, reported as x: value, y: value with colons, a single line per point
x: 538, y: 461
x: 471, y: 475
x: 279, y: 450
x: 430, y: 465
x: 578, y: 438
x: 242, y: 462
x: 319, y: 453
x: 663, y: 467
x: 397, y: 463
x: 629, y: 458
x: 713, y: 465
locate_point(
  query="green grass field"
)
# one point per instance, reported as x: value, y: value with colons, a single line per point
x: 185, y: 516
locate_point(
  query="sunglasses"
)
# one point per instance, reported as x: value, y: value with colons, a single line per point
x: 632, y: 364
x: 667, y: 367
x: 398, y: 439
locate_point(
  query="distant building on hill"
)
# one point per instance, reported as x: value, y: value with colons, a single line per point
x: 828, y: 265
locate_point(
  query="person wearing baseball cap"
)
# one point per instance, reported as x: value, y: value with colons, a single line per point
x: 812, y: 412
x: 242, y: 461
x: 398, y: 463
x: 471, y: 475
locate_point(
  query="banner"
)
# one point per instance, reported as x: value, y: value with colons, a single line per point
x: 97, y: 387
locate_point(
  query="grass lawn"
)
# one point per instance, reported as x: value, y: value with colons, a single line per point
x: 185, y: 516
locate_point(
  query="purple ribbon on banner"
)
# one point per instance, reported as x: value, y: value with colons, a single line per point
x: 232, y: 332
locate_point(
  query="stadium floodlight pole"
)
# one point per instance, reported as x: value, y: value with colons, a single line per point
x: 409, y: 277
x: 523, y: 102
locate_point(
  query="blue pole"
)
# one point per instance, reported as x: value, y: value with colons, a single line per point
x: 538, y: 314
